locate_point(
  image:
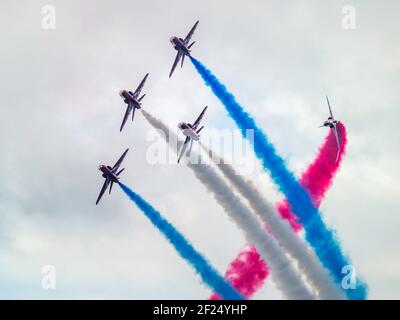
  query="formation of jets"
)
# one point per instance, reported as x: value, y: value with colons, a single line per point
x: 133, y: 100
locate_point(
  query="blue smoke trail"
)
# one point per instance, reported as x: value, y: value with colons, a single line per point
x: 208, y: 274
x: 321, y: 238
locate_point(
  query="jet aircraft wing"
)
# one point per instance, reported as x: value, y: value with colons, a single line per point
x: 128, y: 111
x: 118, y: 163
x: 178, y: 57
x: 140, y: 87
x: 198, y: 120
x: 103, y: 189
x: 329, y: 106
x: 190, y: 34
x: 184, y: 146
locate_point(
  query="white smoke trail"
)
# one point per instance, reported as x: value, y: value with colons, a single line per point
x: 308, y: 263
x: 283, y: 273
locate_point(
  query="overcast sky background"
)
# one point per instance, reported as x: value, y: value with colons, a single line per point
x: 60, y: 118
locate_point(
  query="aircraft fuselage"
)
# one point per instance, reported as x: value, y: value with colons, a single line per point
x: 107, y: 173
x: 330, y: 123
x: 128, y: 97
x: 188, y: 131
x: 178, y: 44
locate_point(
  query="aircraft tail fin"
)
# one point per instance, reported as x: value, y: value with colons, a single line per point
x: 191, y: 44
x: 190, y: 148
x: 111, y: 184
x: 183, y: 59
x: 133, y: 113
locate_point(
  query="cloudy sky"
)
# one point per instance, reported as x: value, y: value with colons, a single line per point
x: 60, y: 115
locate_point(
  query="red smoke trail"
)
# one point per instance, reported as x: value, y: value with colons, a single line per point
x: 247, y: 272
